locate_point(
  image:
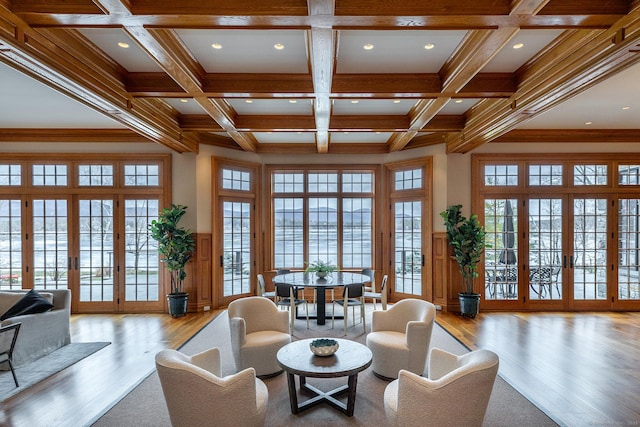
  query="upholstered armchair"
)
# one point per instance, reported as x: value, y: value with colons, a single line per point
x: 456, y: 393
x: 196, y: 395
x: 400, y: 337
x: 258, y: 330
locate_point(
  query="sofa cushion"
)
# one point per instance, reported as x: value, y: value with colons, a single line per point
x: 31, y: 302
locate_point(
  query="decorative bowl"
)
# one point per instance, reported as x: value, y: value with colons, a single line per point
x: 323, y: 346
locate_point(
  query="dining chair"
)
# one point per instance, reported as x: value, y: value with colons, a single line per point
x: 382, y: 295
x: 287, y: 297
x: 8, y: 337
x: 351, y: 297
x: 371, y: 287
x: 262, y: 289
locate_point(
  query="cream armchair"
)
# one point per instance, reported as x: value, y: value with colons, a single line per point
x: 196, y: 395
x: 456, y: 393
x: 400, y: 337
x: 258, y: 330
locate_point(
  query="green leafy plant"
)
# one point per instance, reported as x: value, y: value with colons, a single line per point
x: 467, y: 238
x: 320, y: 267
x: 175, y: 244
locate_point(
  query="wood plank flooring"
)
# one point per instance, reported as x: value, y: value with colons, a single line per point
x: 581, y: 368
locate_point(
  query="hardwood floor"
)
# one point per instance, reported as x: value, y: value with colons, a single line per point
x: 81, y: 393
x: 581, y: 368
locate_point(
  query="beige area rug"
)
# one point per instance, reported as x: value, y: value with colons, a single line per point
x: 145, y: 406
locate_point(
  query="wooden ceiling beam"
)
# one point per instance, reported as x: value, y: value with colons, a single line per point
x: 370, y: 86
x: 97, y: 86
x: 169, y: 51
x: 581, y: 60
x: 322, y: 48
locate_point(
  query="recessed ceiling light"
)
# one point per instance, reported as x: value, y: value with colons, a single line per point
x: 249, y: 101
x: 184, y: 100
x: 278, y: 46
x: 346, y: 133
x: 458, y: 101
x: 396, y: 101
x: 292, y: 101
x: 354, y: 101
x: 626, y: 107
x: 216, y: 46
x: 429, y: 46
x: 123, y: 45
x: 518, y: 45
x: 367, y: 46
x: 269, y: 132
x: 299, y: 133
x: 588, y: 123
x: 378, y: 133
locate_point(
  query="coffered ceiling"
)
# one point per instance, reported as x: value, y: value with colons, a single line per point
x: 320, y: 76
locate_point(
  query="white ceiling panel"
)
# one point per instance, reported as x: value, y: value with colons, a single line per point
x: 132, y: 58
x: 248, y: 51
x: 27, y: 103
x: 395, y: 51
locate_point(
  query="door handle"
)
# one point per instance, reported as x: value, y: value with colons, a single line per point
x: 571, y: 261
x: 564, y: 262
x: 221, y: 265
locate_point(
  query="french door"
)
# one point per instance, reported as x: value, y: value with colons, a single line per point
x: 409, y: 225
x: 558, y: 261
x: 237, y: 257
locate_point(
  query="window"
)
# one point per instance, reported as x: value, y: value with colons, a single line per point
x: 324, y: 215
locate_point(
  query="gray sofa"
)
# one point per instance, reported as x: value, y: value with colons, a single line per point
x: 40, y: 333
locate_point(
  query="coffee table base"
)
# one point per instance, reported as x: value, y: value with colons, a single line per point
x: 321, y: 396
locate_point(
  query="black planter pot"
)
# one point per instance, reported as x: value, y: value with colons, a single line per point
x: 469, y: 304
x: 178, y: 304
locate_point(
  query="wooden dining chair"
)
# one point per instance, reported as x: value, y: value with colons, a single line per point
x: 351, y: 297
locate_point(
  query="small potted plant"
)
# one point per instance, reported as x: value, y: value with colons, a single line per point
x: 176, y: 245
x: 467, y: 238
x: 321, y: 268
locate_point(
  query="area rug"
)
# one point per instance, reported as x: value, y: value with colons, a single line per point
x: 36, y: 371
x: 145, y: 406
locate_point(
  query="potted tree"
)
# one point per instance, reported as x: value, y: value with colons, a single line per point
x: 176, y: 245
x: 467, y: 238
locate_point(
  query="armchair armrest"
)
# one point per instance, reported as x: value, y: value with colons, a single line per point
x: 281, y: 321
x: 238, y: 329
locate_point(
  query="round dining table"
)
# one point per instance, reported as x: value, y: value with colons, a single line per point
x: 311, y: 280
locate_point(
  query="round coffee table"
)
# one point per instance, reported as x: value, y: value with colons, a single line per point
x: 296, y: 358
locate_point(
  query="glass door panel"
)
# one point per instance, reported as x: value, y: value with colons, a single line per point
x: 236, y: 247
x: 629, y: 249
x: 545, y: 249
x: 10, y: 244
x: 141, y: 261
x: 589, y: 249
x: 51, y: 260
x: 408, y: 260
x: 501, y: 257
x: 96, y: 264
